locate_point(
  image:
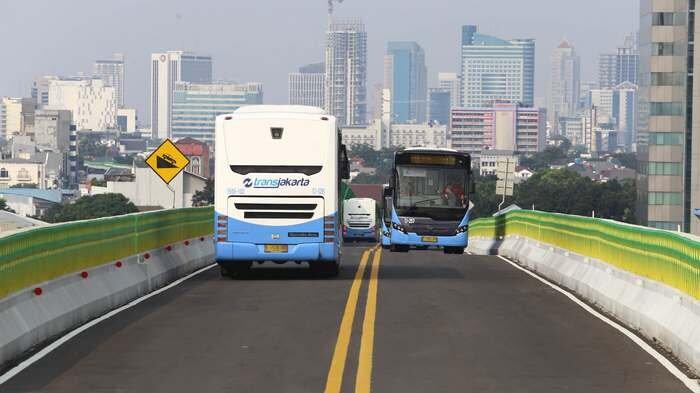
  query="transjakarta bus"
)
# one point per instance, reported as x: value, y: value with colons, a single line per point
x: 386, y: 216
x: 277, y: 198
x: 360, y: 218
x: 431, y: 190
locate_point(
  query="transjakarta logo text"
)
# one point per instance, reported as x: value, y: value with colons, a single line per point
x: 275, y: 183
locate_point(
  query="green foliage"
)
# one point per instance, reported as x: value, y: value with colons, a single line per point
x: 98, y: 183
x: 204, y: 197
x: 96, y: 206
x: 561, y: 191
x: 544, y: 159
x: 382, y: 161
x: 25, y: 185
x: 124, y: 160
x: 91, y: 147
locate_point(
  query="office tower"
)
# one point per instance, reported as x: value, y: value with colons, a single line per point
x: 346, y: 71
x: 306, y: 87
x: 449, y: 81
x: 494, y: 69
x: 623, y: 66
x: 439, y: 106
x: 565, y: 82
x: 112, y: 74
x: 16, y: 116
x: 40, y: 89
x: 195, y: 106
x: 627, y: 115
x: 605, y: 103
x: 167, y: 68
x: 405, y: 75
x: 92, y: 103
x: 502, y: 126
x: 668, y: 184
x: 126, y: 119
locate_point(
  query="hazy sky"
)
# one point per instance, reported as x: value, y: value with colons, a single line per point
x: 263, y: 40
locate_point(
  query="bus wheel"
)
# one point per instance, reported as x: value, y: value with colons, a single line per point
x: 454, y: 250
x: 385, y: 247
x: 239, y: 270
x: 324, y: 269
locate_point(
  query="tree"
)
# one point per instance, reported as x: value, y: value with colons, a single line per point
x: 3, y: 206
x: 24, y: 185
x: 91, y: 147
x: 98, y: 183
x: 204, y: 197
x: 628, y: 160
x: 485, y: 199
x: 87, y: 207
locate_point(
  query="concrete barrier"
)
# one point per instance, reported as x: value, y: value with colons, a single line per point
x: 657, y: 311
x: 29, y: 318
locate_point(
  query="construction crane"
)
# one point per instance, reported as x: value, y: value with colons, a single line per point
x: 330, y: 5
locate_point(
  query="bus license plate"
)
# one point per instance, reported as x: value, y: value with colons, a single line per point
x: 276, y: 248
x: 429, y: 239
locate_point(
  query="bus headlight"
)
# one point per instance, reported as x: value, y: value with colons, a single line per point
x: 462, y: 229
x: 398, y: 227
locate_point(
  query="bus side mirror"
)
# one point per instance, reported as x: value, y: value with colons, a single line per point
x: 388, y: 192
x: 344, y: 163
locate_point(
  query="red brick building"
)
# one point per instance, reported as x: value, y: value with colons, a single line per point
x: 198, y: 153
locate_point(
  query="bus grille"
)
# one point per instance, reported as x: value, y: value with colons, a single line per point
x: 359, y: 224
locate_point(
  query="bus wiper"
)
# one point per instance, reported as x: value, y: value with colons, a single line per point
x: 427, y: 200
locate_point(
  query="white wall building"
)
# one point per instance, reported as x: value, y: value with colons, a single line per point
x: 488, y: 162
x: 371, y: 135
x: 307, y: 87
x: 149, y: 190
x: 16, y: 116
x: 604, y: 102
x: 449, y: 81
x: 93, y: 104
x: 167, y: 68
x: 126, y: 119
x: 40, y: 89
x: 112, y: 74
x: 418, y: 135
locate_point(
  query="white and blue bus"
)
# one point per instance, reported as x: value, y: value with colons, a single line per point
x: 277, y: 188
x: 360, y: 219
x: 386, y: 216
x: 430, y: 204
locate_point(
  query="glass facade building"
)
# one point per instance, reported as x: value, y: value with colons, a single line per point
x: 494, y: 69
x: 195, y: 106
x: 668, y: 140
x: 405, y: 75
x: 346, y: 71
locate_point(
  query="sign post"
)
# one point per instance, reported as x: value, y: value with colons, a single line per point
x: 505, y: 170
x: 167, y: 161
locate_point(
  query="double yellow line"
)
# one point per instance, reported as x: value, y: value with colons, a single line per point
x: 363, y: 379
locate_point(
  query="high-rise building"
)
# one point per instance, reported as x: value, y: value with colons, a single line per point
x: 627, y: 115
x: 494, y: 69
x: 195, y: 106
x: 112, y: 74
x: 503, y: 126
x: 126, y: 119
x: 306, y: 87
x: 668, y: 184
x: 92, y: 103
x: 52, y: 128
x: 418, y: 135
x: 439, y: 106
x: 565, y: 82
x: 405, y: 75
x: 16, y: 116
x: 449, y: 81
x: 623, y: 66
x: 40, y: 89
x: 167, y: 68
x: 605, y: 103
x: 346, y: 71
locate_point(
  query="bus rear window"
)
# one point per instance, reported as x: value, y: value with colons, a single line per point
x: 307, y: 170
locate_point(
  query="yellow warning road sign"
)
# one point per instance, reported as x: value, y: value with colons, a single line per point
x: 167, y: 161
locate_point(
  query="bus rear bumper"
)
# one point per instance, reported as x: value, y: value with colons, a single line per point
x: 246, y: 252
x: 412, y: 239
x: 368, y: 233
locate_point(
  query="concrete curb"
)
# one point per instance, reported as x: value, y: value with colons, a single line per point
x: 657, y: 311
x: 28, y: 320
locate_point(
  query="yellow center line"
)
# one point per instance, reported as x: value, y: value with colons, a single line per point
x: 335, y: 374
x: 363, y: 382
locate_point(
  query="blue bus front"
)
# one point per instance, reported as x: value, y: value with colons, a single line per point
x: 386, y: 236
x: 430, y: 200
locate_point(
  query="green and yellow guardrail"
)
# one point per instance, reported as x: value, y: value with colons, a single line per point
x: 37, y: 255
x: 663, y: 256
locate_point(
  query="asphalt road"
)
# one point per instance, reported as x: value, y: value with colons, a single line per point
x: 427, y: 322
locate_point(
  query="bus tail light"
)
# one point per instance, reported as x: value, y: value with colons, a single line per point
x: 221, y: 228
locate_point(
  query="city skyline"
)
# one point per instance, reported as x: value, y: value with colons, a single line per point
x: 199, y: 29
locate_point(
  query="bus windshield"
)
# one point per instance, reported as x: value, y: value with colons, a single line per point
x: 431, y: 187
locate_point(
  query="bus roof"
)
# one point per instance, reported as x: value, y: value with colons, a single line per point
x: 296, y: 109
x: 429, y: 150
